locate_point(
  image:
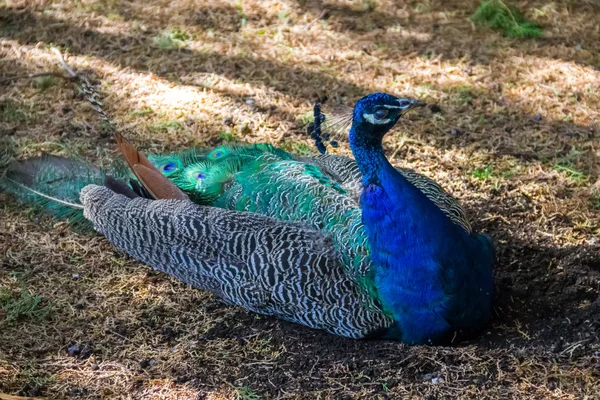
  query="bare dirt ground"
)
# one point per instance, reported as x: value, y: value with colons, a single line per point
x: 515, y: 137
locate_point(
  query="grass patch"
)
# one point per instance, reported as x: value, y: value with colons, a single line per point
x: 505, y: 18
x: 21, y: 306
x: 484, y: 173
x: 240, y: 11
x: 462, y: 94
x: 7, y: 151
x: 167, y: 126
x: 301, y: 149
x: 509, y: 173
x: 421, y: 7
x: 142, y: 112
x: 306, y: 118
x: 227, y: 136
x: 171, y: 39
x: 567, y: 166
x: 12, y: 113
x: 246, y: 393
x: 44, y: 82
x: 33, y: 379
x: 595, y: 201
x: 568, y: 169
x: 283, y: 15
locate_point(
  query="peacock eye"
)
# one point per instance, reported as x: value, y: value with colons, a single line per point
x: 381, y: 113
x: 169, y: 167
x: 200, y: 176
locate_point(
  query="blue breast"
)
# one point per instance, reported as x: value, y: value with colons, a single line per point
x: 431, y: 275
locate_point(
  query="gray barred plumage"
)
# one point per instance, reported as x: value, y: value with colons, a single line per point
x: 346, y: 172
x: 265, y: 265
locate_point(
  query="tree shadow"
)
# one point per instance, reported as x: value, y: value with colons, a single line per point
x: 127, y: 50
x: 548, y: 293
x: 447, y: 36
x: 344, y: 18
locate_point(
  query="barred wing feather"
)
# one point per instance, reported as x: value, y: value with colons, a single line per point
x: 345, y: 171
x: 260, y: 263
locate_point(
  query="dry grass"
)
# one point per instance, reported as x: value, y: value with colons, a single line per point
x: 174, y: 71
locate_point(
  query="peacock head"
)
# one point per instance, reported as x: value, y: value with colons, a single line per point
x: 374, y: 115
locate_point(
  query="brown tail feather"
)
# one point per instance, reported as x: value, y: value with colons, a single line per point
x: 150, y: 177
x: 160, y: 187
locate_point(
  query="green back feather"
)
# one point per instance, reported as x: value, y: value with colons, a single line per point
x: 206, y: 175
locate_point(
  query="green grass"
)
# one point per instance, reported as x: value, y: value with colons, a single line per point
x: 463, y: 94
x: 7, y: 151
x: 44, y: 82
x: 596, y: 201
x: 421, y: 7
x: 227, y: 136
x: 33, y: 379
x: 142, y: 112
x: 20, y: 306
x: 369, y: 5
x: 509, y: 173
x: 171, y: 39
x: 283, y: 15
x: 567, y: 169
x: 484, y: 173
x: 241, y: 13
x: 167, y: 126
x: 505, y: 18
x: 567, y: 166
x: 301, y: 149
x: 11, y: 112
x: 306, y: 118
x: 246, y: 393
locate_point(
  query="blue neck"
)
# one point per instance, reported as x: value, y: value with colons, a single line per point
x: 416, y: 250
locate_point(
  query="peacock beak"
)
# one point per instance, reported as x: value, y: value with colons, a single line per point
x: 412, y: 104
x: 417, y: 103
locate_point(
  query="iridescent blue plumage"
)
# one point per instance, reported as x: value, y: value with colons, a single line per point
x: 431, y: 275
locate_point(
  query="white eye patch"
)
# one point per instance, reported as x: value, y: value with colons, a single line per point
x: 371, y: 119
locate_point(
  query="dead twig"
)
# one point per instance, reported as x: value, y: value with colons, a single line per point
x: 65, y: 65
x: 72, y: 74
x: 311, y: 23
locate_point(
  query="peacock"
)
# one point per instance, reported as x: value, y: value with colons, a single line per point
x: 357, y: 248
